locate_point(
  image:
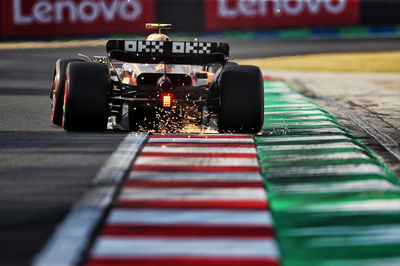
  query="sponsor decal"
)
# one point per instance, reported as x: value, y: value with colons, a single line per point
x: 74, y: 17
x: 144, y: 46
x: 191, y: 47
x: 175, y: 47
x: 253, y: 14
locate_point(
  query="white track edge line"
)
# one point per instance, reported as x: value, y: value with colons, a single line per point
x: 71, y: 238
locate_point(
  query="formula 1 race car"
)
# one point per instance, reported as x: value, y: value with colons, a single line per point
x: 156, y: 84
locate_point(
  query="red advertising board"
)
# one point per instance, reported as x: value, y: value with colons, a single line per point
x: 74, y: 17
x: 258, y: 14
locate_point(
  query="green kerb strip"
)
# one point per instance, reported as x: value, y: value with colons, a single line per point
x: 295, y: 33
x: 333, y: 201
x: 238, y: 35
x: 355, y: 31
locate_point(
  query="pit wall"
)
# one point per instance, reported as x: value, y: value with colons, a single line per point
x: 26, y: 19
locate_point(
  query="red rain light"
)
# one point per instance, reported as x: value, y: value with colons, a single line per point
x: 167, y: 100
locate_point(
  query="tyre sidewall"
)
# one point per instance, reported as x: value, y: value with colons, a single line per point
x: 58, y: 89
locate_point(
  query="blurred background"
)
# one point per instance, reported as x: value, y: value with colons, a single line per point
x: 33, y: 19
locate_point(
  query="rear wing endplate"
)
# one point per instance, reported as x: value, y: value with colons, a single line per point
x: 188, y: 53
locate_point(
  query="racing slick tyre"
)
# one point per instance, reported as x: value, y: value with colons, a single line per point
x: 241, y: 99
x: 57, y: 90
x: 86, y: 97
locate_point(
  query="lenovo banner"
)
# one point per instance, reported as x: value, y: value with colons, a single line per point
x: 259, y: 14
x: 74, y: 17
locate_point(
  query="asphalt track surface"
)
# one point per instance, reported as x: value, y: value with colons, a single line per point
x: 44, y: 169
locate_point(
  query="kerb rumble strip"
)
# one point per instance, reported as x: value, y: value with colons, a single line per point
x: 333, y: 201
x: 190, y: 200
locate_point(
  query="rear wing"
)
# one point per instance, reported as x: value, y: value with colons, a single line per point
x: 187, y: 53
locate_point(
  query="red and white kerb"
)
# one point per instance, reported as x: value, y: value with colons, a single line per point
x: 193, y: 200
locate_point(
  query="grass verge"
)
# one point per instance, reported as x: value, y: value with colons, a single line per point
x: 383, y: 62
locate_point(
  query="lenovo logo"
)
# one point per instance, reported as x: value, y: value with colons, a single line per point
x: 266, y: 8
x: 87, y: 11
x: 74, y: 17
x: 264, y: 14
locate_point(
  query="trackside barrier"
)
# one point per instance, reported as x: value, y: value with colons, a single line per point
x: 260, y: 14
x: 39, y: 18
x: 184, y: 15
x: 380, y: 12
x: 59, y: 18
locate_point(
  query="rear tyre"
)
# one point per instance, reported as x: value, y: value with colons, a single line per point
x: 57, y: 91
x: 86, y: 97
x: 241, y: 99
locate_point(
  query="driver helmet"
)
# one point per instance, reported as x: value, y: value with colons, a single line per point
x: 158, y: 37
